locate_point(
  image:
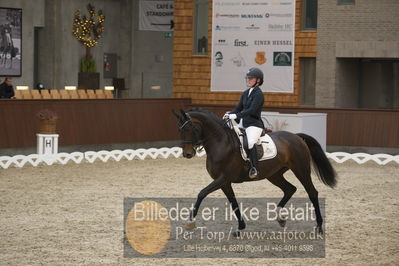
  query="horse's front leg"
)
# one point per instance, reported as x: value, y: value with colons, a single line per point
x: 229, y: 192
x: 215, y: 185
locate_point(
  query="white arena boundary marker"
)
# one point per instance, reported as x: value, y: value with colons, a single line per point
x: 153, y: 153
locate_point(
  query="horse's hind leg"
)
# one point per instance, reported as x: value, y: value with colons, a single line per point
x: 288, y: 189
x: 306, y: 180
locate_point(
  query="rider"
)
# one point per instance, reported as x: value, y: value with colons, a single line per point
x: 6, y: 89
x: 248, y: 112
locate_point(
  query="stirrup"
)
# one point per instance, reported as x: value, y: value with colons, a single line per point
x: 253, y: 173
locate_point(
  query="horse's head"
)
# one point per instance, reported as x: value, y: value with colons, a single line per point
x: 190, y: 134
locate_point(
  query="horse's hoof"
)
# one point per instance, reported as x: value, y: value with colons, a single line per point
x: 190, y: 225
x: 320, y: 230
x: 236, y: 234
x: 282, y: 222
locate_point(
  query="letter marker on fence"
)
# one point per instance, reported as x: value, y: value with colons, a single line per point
x: 47, y: 144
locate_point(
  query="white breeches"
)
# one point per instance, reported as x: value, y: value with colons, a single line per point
x: 253, y: 134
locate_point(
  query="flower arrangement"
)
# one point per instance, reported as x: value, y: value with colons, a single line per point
x: 47, y: 114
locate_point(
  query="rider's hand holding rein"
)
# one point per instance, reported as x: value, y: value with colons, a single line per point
x: 228, y: 116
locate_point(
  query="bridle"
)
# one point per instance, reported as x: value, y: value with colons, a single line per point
x: 196, y: 141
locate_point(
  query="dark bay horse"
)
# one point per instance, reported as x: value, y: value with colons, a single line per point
x: 225, y: 165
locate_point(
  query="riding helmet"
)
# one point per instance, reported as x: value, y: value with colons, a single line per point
x: 255, y: 73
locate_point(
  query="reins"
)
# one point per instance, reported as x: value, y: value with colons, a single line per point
x: 197, y: 142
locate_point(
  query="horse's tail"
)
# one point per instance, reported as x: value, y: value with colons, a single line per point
x: 321, y: 164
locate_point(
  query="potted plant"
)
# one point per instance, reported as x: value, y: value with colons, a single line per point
x: 88, y: 78
x: 88, y: 64
x: 47, y: 121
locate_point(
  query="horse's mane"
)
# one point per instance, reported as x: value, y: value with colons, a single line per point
x: 214, y: 117
x: 230, y: 133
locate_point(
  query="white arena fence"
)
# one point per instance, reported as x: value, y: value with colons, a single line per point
x: 153, y: 153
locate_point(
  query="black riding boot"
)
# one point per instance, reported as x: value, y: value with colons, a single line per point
x: 253, y: 158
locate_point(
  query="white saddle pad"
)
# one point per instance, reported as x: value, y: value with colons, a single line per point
x: 269, y: 148
x: 268, y: 145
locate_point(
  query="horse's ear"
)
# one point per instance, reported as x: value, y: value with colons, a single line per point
x: 176, y: 114
x: 183, y: 114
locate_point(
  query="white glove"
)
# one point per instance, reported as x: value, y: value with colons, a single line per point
x: 226, y: 116
x: 232, y: 116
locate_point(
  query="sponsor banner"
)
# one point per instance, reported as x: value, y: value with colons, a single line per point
x: 247, y: 34
x: 156, y: 15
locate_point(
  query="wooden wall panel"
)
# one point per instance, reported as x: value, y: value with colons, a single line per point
x: 345, y: 127
x: 192, y: 73
x: 134, y: 120
x: 91, y: 121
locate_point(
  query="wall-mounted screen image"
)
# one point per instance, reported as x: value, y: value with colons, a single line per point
x: 10, y: 41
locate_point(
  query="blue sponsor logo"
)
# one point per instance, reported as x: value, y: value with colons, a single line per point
x: 227, y: 28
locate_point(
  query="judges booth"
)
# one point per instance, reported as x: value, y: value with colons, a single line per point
x: 313, y: 124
